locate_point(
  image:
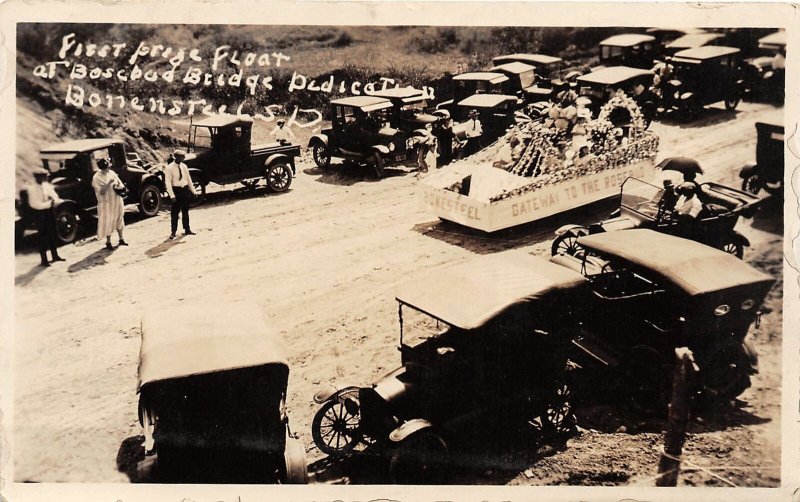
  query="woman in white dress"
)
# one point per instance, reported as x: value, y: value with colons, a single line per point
x: 110, y: 207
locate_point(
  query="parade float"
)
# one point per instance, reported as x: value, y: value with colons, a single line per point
x: 541, y: 168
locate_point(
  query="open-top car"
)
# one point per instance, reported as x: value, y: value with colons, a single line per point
x: 599, y: 86
x: 546, y: 67
x: 655, y: 292
x: 479, y: 342
x: 72, y: 166
x: 629, y: 49
x: 220, y: 152
x: 700, y: 77
x: 643, y: 205
x: 495, y: 111
x: 361, y: 131
x: 767, y: 171
x: 212, y: 398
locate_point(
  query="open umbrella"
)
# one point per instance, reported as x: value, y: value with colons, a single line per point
x: 683, y: 165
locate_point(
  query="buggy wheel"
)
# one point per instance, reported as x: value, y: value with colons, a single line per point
x: 752, y: 184
x: 420, y: 459
x: 279, y: 177
x: 321, y: 154
x: 335, y: 428
x: 66, y: 224
x: 567, y: 243
x: 377, y: 163
x: 733, y: 246
x: 732, y: 102
x: 149, y: 200
x: 558, y: 417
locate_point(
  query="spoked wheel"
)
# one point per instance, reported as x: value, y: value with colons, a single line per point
x: 279, y: 177
x: 377, y: 164
x: 200, y: 193
x: 567, y: 243
x: 752, y: 184
x: 66, y: 224
x: 732, y: 102
x: 558, y: 417
x: 251, y: 184
x: 420, y: 459
x: 734, y: 247
x: 321, y: 154
x: 335, y: 428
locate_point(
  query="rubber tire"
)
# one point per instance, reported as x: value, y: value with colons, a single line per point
x: 377, y: 164
x: 200, y: 197
x: 279, y: 169
x: 751, y: 184
x: 575, y: 247
x: 734, y: 247
x: 318, y: 148
x: 67, y: 224
x: 316, y: 432
x: 733, y: 360
x: 149, y: 208
x: 295, y: 465
x: 420, y: 459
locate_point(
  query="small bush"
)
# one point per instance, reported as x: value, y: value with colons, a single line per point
x: 343, y: 40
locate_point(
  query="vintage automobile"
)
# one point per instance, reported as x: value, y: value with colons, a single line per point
x: 629, y: 49
x: 468, y: 84
x: 666, y: 34
x: 596, y: 88
x: 767, y: 171
x: 765, y: 73
x: 220, y: 152
x: 495, y: 111
x: 662, y: 292
x: 410, y: 108
x: 692, y: 40
x: 212, y: 398
x: 643, y: 205
x: 361, y: 131
x: 700, y: 77
x: 72, y: 165
x: 547, y: 68
x: 479, y: 342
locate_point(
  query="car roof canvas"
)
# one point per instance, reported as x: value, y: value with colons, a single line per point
x: 685, y: 31
x: 705, y: 52
x: 627, y: 40
x: 613, y: 75
x: 693, y: 40
x: 365, y: 103
x: 405, y: 94
x: 471, y: 294
x: 80, y: 145
x: 513, y: 68
x: 486, y: 100
x: 694, y: 268
x: 492, y: 77
x: 535, y: 59
x: 223, y: 120
x: 773, y: 39
x: 193, y: 339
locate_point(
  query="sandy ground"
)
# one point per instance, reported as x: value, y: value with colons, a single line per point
x: 321, y: 261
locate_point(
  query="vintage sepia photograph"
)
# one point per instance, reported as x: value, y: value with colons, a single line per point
x: 400, y: 253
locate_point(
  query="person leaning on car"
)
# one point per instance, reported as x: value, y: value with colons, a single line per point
x: 42, y: 198
x: 180, y: 189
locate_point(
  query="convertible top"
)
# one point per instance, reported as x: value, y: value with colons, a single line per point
x: 777, y: 39
x: 486, y: 100
x: 627, y: 40
x: 471, y: 294
x: 403, y: 94
x: 488, y: 76
x: 223, y: 120
x: 613, y: 75
x: 79, y: 145
x: 189, y: 340
x: 695, y: 268
x: 703, y: 53
x: 365, y: 103
x: 693, y: 40
x: 513, y: 68
x: 534, y: 59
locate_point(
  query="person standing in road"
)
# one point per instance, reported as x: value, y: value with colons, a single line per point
x: 42, y: 198
x: 180, y: 189
x: 474, y: 131
x: 110, y: 206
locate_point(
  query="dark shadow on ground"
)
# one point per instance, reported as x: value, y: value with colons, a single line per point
x: 130, y: 453
x: 160, y: 249
x: 534, y: 232
x: 769, y: 217
x: 28, y: 277
x: 709, y: 116
x: 349, y: 173
x: 95, y: 259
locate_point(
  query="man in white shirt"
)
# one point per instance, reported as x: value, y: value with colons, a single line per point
x: 42, y: 198
x: 180, y: 189
x: 283, y: 133
x: 474, y: 131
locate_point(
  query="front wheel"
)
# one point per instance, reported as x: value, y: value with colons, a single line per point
x: 420, y: 459
x: 335, y: 428
x: 149, y: 200
x: 321, y: 154
x: 377, y: 164
x: 200, y: 192
x: 732, y: 102
x: 733, y: 246
x: 279, y: 177
x: 66, y: 224
x: 566, y: 243
x: 728, y: 375
x: 752, y: 184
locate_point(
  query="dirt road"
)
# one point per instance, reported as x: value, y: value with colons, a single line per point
x: 322, y: 261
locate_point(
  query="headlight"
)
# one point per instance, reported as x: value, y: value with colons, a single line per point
x: 391, y: 146
x: 409, y: 144
x: 748, y: 304
x: 722, y: 310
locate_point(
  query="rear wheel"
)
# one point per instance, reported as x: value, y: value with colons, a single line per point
x: 377, y: 164
x: 149, y: 200
x: 321, y: 154
x: 728, y: 375
x: 647, y: 380
x: 752, y: 184
x: 420, y: 459
x: 733, y: 246
x: 335, y: 428
x: 66, y: 224
x: 279, y: 176
x: 296, y: 468
x: 566, y: 243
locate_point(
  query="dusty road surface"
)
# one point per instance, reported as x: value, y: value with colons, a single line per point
x: 322, y: 261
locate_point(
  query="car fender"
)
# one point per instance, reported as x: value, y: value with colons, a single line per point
x: 329, y: 391
x: 68, y: 203
x: 749, y: 350
x: 153, y: 179
x: 737, y: 237
x: 578, y: 230
x: 318, y: 137
x: 382, y: 149
x: 276, y: 157
x: 198, y: 176
x: 748, y: 170
x: 408, y: 428
x: 444, y: 104
x: 687, y: 96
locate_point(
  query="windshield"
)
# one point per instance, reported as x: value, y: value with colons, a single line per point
x: 418, y: 327
x: 527, y: 79
x: 641, y: 197
x: 202, y: 138
x: 610, y: 51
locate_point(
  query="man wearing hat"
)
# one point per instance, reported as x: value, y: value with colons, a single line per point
x: 180, y: 189
x: 42, y: 198
x: 283, y: 133
x: 474, y: 131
